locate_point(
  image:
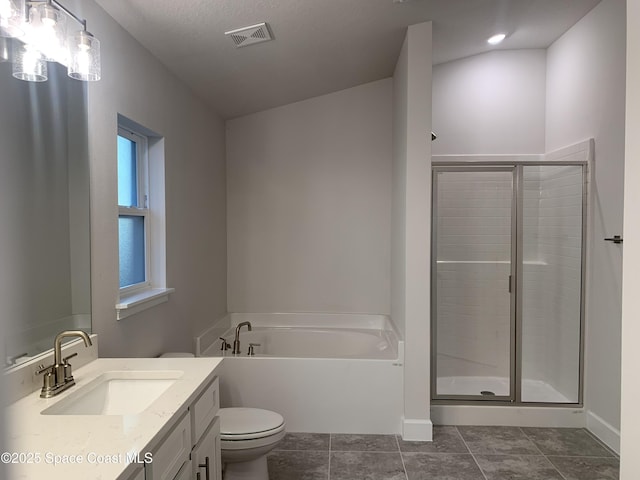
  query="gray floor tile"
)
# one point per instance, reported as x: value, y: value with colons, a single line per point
x: 587, y: 468
x: 298, y: 465
x: 566, y: 441
x: 515, y: 467
x: 446, y: 439
x: 363, y: 443
x: 497, y: 440
x: 441, y: 466
x: 366, y: 466
x: 304, y: 441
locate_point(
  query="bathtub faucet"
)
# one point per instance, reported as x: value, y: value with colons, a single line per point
x: 236, y: 342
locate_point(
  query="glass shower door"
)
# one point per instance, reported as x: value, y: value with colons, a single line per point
x: 550, y: 284
x: 472, y: 299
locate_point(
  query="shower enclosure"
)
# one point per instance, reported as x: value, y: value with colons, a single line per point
x: 507, y: 282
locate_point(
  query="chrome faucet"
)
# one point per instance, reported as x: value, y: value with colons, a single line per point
x: 57, y: 377
x: 236, y: 342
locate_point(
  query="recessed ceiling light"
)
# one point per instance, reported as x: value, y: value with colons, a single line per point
x: 496, y: 39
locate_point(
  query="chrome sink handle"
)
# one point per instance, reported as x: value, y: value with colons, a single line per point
x: 224, y: 346
x: 251, y: 352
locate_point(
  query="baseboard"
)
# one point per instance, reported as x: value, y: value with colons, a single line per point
x: 608, y: 434
x: 517, y: 416
x: 414, y: 430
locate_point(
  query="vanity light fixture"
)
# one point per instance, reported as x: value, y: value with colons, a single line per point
x: 43, y: 37
x: 496, y: 39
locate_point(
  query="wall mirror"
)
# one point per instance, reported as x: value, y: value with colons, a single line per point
x: 44, y: 207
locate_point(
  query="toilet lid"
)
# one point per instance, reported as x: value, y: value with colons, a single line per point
x: 240, y: 423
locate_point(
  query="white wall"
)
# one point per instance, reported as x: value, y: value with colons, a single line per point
x: 412, y: 202
x: 490, y: 103
x: 585, y: 98
x: 399, y: 191
x: 309, y: 205
x: 630, y: 431
x: 139, y: 87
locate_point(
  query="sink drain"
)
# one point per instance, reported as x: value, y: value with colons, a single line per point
x: 487, y: 393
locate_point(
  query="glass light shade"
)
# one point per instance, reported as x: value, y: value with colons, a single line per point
x: 28, y: 64
x: 12, y: 18
x: 4, y: 50
x: 84, y: 57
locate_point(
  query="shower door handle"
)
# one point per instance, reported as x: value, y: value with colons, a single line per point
x: 509, y: 283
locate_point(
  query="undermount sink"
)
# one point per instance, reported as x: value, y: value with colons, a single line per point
x: 116, y: 393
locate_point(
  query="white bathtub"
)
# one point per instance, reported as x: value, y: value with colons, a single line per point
x: 316, y: 342
x: 323, y: 372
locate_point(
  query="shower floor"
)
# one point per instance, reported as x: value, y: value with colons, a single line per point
x: 532, y: 390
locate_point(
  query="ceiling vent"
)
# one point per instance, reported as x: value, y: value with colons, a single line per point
x: 244, y: 36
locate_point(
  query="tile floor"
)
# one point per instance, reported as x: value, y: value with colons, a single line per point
x: 457, y: 453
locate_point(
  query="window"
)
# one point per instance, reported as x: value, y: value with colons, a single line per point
x: 133, y: 211
x: 141, y: 229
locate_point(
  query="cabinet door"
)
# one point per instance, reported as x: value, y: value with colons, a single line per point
x: 184, y: 473
x: 207, y: 452
x: 138, y: 474
x: 170, y: 455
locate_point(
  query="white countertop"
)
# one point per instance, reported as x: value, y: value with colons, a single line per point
x: 94, y: 441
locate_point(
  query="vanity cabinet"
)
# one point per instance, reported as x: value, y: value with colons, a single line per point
x: 191, y: 450
x: 138, y: 474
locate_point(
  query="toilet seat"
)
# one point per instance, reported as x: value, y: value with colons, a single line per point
x: 244, y: 424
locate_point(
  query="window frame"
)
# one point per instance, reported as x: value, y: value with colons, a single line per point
x: 142, y: 210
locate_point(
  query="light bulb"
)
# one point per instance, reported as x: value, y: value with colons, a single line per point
x: 5, y: 9
x: 12, y: 18
x: 47, y: 32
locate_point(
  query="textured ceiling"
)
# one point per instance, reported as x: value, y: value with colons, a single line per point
x: 322, y: 46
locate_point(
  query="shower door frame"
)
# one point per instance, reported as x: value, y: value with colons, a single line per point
x: 512, y: 274
x: 515, y: 378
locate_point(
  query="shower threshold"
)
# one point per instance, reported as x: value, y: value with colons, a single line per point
x: 532, y: 390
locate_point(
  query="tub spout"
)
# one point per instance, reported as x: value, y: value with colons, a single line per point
x: 236, y: 342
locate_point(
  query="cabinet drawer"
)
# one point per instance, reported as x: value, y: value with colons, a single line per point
x: 171, y: 454
x: 203, y: 410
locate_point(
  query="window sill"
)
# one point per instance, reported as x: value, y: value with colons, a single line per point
x: 133, y: 303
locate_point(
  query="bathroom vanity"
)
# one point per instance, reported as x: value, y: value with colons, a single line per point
x: 125, y: 419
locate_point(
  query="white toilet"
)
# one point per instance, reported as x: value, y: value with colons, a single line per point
x: 247, y: 435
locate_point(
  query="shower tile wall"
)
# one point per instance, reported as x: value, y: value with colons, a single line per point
x: 474, y: 250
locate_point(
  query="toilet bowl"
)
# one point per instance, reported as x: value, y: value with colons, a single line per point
x: 247, y: 435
